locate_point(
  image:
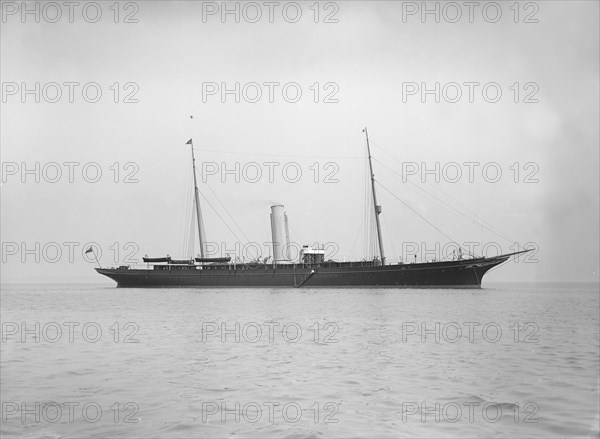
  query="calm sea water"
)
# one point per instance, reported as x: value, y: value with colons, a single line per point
x: 504, y: 361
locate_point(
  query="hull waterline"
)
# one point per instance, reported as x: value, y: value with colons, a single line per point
x: 452, y: 274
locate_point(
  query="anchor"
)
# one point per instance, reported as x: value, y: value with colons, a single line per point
x: 306, y: 278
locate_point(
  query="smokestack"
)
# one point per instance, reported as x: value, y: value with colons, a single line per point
x: 279, y: 234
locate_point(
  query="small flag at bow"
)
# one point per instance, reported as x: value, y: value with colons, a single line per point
x: 89, y: 250
x: 189, y: 142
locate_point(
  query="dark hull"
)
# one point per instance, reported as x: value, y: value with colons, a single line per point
x: 451, y: 274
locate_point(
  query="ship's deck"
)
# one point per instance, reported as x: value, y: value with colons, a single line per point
x: 304, y: 266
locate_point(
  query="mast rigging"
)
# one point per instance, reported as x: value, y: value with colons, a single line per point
x: 197, y: 202
x: 377, y: 208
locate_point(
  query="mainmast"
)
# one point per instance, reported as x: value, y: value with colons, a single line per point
x: 376, y: 208
x: 197, y: 202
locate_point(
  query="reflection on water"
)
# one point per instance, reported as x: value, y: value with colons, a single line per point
x: 502, y: 361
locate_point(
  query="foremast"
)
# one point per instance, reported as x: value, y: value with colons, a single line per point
x: 376, y: 207
x: 197, y: 201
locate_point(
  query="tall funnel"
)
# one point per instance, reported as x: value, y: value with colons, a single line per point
x: 280, y: 234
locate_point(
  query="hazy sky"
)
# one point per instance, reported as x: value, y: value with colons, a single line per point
x: 363, y: 61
